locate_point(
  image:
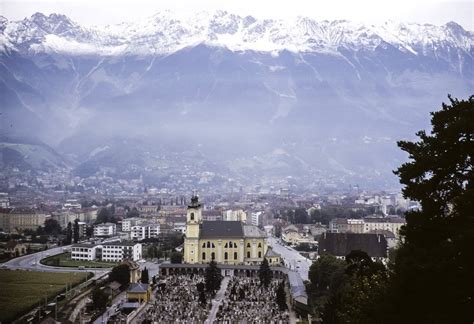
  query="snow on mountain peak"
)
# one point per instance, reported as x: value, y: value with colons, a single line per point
x: 166, y: 32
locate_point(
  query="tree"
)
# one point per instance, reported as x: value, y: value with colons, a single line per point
x: 132, y: 213
x: 145, y: 278
x: 433, y: 269
x: 121, y: 274
x: 52, y: 227
x: 99, y: 298
x: 201, y: 292
x: 264, y: 273
x: 103, y: 216
x: 281, y: 296
x: 176, y: 257
x: 76, y: 231
x: 213, y: 278
x: 69, y: 233
x: 325, y: 276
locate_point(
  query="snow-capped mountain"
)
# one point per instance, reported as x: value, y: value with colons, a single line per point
x: 334, y: 95
x: 166, y: 32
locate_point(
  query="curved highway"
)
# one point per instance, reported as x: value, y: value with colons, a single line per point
x: 31, y: 262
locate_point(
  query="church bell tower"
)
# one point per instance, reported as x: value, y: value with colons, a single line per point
x: 193, y: 222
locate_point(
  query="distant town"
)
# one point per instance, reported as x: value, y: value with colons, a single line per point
x: 50, y: 228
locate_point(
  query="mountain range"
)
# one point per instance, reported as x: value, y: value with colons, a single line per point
x: 251, y: 99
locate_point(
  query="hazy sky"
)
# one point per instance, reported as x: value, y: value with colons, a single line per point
x: 371, y: 11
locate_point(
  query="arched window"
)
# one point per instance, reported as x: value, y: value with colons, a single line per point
x: 259, y: 245
x: 225, y: 245
x: 192, y: 216
x: 248, y: 254
x: 248, y: 244
x: 235, y: 255
x: 226, y: 256
x: 259, y: 254
x: 204, y: 244
x: 213, y: 256
x: 208, y: 244
x: 213, y: 245
x: 235, y: 245
x: 203, y: 256
x: 230, y: 244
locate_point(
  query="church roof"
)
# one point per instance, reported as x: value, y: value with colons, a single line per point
x: 221, y: 229
x: 271, y: 253
x: 253, y: 231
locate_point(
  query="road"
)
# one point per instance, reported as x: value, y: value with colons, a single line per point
x: 292, y: 258
x: 31, y: 262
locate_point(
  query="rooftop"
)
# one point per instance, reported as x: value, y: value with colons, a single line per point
x: 223, y: 229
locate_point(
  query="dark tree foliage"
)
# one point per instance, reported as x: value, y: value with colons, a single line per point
x: 213, y: 278
x: 360, y: 264
x: 176, y: 257
x: 264, y: 273
x: 433, y: 269
x: 281, y: 296
x: 76, y: 231
x: 99, y: 298
x: 132, y: 213
x: 121, y: 274
x: 69, y: 233
x: 52, y: 227
x: 106, y: 215
x: 145, y: 277
x: 201, y: 292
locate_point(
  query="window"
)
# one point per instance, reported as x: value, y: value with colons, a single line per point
x: 192, y: 216
x: 235, y: 255
x: 204, y: 244
x: 248, y: 254
x: 208, y: 244
x: 225, y: 245
x: 203, y: 256
x: 248, y: 244
x: 213, y: 245
x: 226, y: 256
x: 259, y: 254
x: 213, y: 256
x: 259, y: 245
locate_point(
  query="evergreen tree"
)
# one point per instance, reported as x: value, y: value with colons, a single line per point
x: 264, y: 273
x: 433, y: 269
x: 281, y: 296
x: 121, y: 274
x: 76, y: 231
x: 213, y: 278
x: 176, y: 257
x: 69, y: 233
x: 99, y: 298
x: 145, y: 278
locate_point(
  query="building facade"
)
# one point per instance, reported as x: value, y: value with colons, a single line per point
x: 226, y: 242
x: 105, y: 229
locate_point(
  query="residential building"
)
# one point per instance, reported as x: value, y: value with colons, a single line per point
x: 144, y: 231
x: 19, y: 219
x: 127, y: 223
x: 120, y: 251
x: 235, y: 215
x: 256, y: 218
x: 105, y: 230
x: 84, y: 252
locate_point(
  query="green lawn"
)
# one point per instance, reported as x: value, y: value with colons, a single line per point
x: 64, y: 260
x: 21, y: 291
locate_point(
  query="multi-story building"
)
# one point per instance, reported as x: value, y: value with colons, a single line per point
x: 127, y: 223
x: 145, y: 231
x: 18, y: 219
x: 105, y: 230
x: 256, y: 218
x: 120, y: 251
x: 111, y: 252
x: 367, y: 225
x: 235, y: 215
x: 84, y: 252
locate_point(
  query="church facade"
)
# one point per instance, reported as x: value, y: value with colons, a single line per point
x: 226, y: 242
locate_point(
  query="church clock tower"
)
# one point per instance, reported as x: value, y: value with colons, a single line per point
x: 193, y: 222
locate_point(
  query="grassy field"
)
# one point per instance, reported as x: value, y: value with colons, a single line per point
x: 23, y: 290
x: 64, y: 260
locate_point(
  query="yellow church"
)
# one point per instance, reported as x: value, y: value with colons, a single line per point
x: 226, y: 242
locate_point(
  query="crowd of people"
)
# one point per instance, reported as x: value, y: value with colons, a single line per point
x: 246, y: 301
x: 177, y: 301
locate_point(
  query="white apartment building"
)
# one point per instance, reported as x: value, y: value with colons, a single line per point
x: 127, y: 223
x: 235, y: 215
x: 256, y: 218
x: 84, y: 252
x: 120, y: 251
x: 112, y: 252
x: 144, y: 231
x: 105, y: 229
x: 180, y: 227
x: 367, y: 225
